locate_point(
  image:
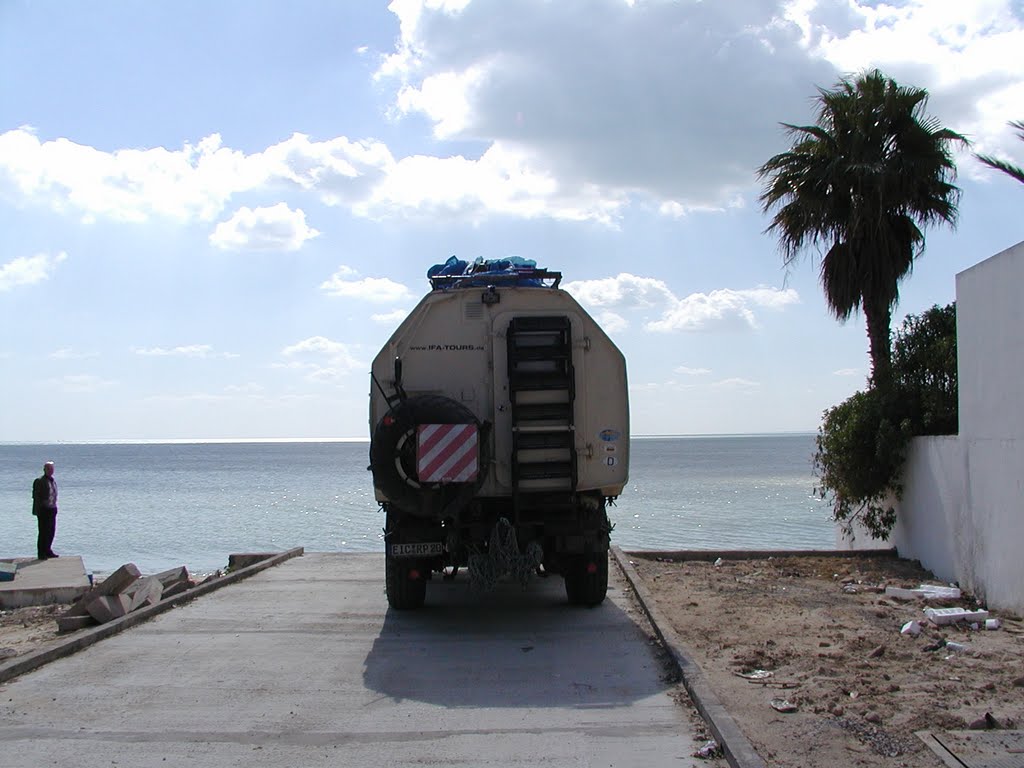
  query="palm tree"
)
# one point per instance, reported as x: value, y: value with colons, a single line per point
x: 1013, y: 170
x: 860, y: 184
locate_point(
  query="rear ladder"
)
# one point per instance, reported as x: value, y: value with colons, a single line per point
x: 542, y: 392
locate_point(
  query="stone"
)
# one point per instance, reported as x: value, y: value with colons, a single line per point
x: 244, y: 559
x: 109, y: 607
x: 146, y: 591
x: 73, y: 623
x: 172, y: 575
x: 178, y: 587
x: 115, y: 583
x: 985, y: 723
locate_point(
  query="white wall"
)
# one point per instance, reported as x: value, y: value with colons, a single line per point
x: 990, y: 346
x: 934, y: 491
x: 962, y: 511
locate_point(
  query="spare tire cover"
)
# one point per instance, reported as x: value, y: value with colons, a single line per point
x: 393, y: 447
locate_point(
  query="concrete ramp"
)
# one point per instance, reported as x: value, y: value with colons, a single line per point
x: 304, y: 665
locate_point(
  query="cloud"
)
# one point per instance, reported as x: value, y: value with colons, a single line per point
x: 623, y: 291
x: 82, y: 383
x: 190, y: 350
x: 681, y: 101
x: 374, y: 289
x: 277, y: 228
x: 251, y: 389
x: 29, y: 270
x: 737, y: 384
x: 127, y: 184
x: 612, y: 322
x: 322, y: 359
x: 691, y: 371
x: 608, y: 105
x: 70, y: 354
x: 847, y: 372
x: 723, y: 309
x: 194, y: 183
x: 672, y: 105
x: 965, y: 54
x: 390, y: 318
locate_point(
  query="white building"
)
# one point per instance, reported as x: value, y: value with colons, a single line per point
x: 962, y: 512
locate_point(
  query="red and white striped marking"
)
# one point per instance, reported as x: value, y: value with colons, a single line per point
x: 447, y: 453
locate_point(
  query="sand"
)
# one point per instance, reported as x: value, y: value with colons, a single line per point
x: 820, y: 634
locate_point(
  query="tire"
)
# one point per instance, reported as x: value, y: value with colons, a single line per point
x: 404, y: 594
x: 393, y: 450
x: 584, y: 586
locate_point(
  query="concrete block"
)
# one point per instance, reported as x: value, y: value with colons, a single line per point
x: 943, y: 616
x: 115, y: 583
x: 924, y: 592
x: 109, y: 607
x: 177, y: 587
x: 244, y: 559
x: 146, y: 591
x: 7, y: 571
x: 71, y: 623
x: 172, y: 575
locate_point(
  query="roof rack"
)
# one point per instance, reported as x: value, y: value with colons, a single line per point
x: 521, y: 276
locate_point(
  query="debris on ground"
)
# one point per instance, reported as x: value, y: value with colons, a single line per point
x: 123, y: 591
x: 912, y: 628
x: 857, y: 705
x: 924, y: 592
x: 709, y: 751
x: 783, y: 705
x: 943, y: 616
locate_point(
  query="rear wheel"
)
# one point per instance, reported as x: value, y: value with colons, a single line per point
x: 586, y: 579
x: 405, y: 582
x: 405, y: 579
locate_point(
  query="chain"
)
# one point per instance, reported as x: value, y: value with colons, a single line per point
x: 503, y: 558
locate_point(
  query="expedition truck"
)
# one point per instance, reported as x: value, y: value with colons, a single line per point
x: 499, y: 426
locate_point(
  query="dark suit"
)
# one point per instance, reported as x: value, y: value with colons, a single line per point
x: 45, y: 511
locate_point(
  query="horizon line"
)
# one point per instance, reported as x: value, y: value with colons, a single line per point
x: 265, y: 440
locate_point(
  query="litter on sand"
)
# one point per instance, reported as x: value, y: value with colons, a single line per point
x: 925, y: 592
x: 783, y: 705
x: 710, y: 750
x: 757, y: 674
x: 912, y: 628
x: 942, y: 616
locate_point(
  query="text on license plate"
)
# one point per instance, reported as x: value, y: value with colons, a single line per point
x: 417, y: 549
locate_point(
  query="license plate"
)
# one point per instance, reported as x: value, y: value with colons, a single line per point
x: 417, y: 549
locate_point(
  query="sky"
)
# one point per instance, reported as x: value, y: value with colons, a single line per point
x: 214, y: 214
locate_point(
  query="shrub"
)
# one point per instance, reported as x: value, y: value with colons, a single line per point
x: 862, y: 442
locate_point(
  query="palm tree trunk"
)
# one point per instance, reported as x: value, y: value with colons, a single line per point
x: 879, y: 318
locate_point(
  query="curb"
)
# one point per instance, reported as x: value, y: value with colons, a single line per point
x: 738, y: 750
x: 85, y: 638
x: 710, y: 555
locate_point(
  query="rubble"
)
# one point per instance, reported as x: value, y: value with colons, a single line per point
x: 924, y: 592
x: 943, y: 616
x: 122, y: 592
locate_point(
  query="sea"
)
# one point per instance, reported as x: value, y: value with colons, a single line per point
x: 165, y: 504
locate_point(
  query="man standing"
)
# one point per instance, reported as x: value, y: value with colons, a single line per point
x: 44, y: 507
